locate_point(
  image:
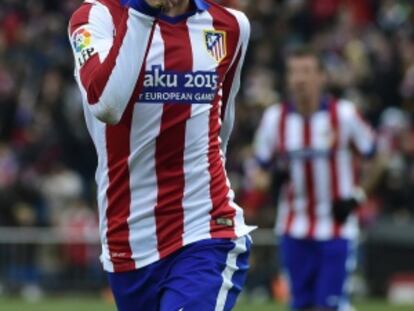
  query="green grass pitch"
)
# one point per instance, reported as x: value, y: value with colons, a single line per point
x: 95, y: 304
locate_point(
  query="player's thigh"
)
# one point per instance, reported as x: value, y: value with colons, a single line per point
x: 333, y: 274
x: 135, y: 290
x: 207, y: 276
x: 300, y: 262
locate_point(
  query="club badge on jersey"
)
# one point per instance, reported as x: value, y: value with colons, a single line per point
x: 216, y: 44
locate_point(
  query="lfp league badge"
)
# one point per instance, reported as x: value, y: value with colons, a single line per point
x: 81, y: 39
x: 82, y: 43
x: 216, y: 44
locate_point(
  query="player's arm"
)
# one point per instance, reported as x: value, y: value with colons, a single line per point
x: 363, y: 139
x: 109, y: 57
x: 231, y: 83
x: 264, y: 146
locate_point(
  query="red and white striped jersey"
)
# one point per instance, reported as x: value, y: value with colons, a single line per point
x: 319, y: 152
x: 159, y: 96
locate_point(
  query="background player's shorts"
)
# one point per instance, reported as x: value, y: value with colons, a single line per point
x: 203, y: 276
x: 317, y: 271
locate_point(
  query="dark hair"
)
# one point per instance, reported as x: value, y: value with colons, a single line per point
x: 306, y: 51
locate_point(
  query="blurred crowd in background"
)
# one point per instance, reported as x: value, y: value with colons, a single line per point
x: 47, y: 160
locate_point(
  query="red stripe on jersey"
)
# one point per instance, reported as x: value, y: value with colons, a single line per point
x: 281, y: 146
x: 80, y: 17
x: 219, y: 189
x: 310, y: 186
x: 228, y: 83
x: 115, y: 8
x: 87, y: 69
x: 333, y: 113
x: 282, y: 130
x: 119, y: 192
x: 170, y: 145
x: 94, y: 75
x: 225, y: 21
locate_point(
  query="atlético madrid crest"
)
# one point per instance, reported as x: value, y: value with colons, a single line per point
x: 216, y: 44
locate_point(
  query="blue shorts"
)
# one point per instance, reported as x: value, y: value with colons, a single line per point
x: 203, y: 276
x: 317, y: 271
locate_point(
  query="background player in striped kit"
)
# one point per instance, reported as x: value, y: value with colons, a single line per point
x: 314, y: 137
x: 159, y: 80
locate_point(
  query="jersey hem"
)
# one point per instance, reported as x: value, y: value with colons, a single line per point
x: 126, y: 267
x: 280, y: 235
x: 352, y: 236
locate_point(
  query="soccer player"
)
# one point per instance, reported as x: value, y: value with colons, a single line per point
x: 314, y: 136
x: 159, y: 80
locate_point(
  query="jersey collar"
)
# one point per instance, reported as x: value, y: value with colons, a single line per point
x: 142, y: 6
x: 323, y: 104
x: 201, y: 5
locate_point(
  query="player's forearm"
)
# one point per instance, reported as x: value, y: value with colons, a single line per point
x: 110, y: 86
x: 261, y: 179
x: 373, y: 173
x: 343, y: 207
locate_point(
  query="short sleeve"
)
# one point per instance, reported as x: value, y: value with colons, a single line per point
x: 91, y: 33
x: 362, y: 135
x: 266, y: 136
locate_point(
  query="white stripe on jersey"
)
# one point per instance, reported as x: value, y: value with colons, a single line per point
x: 345, y: 173
x: 146, y: 125
x: 300, y: 223
x: 196, y: 200
x: 102, y: 181
x: 322, y: 177
x: 100, y: 11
